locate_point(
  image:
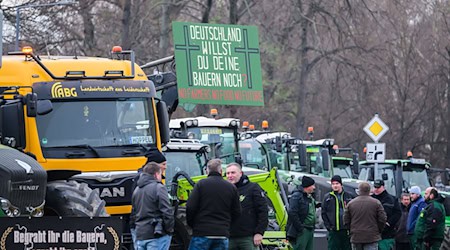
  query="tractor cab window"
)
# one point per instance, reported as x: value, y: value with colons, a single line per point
x: 221, y: 140
x: 367, y: 174
x: 189, y: 162
x: 415, y: 175
x: 254, y: 153
x: 97, y: 123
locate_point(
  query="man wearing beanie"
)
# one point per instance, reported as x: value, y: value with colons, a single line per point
x: 333, y: 206
x: 417, y: 205
x: 152, y: 156
x: 302, y: 216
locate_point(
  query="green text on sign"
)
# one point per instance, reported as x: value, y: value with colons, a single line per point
x: 218, y: 64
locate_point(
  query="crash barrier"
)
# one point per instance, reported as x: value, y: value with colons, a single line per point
x: 56, y: 233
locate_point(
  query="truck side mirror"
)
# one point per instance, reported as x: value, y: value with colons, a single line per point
x: 163, y: 121
x: 12, y: 126
x: 31, y: 103
x: 325, y: 159
x: 356, y: 163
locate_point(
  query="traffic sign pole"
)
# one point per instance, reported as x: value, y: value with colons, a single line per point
x: 375, y: 129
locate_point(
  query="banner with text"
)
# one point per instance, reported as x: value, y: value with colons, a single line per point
x: 67, y: 233
x: 218, y: 64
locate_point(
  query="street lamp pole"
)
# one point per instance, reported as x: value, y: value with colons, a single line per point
x: 18, y: 8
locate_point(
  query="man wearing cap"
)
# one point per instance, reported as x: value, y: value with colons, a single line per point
x: 333, y: 206
x: 417, y: 205
x: 393, y: 212
x: 302, y: 216
x: 366, y: 219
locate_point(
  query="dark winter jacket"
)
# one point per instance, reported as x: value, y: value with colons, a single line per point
x: 366, y: 219
x: 151, y: 204
x: 212, y: 206
x: 414, y: 211
x: 254, y: 211
x: 393, y: 212
x: 331, y: 207
x: 402, y: 235
x: 300, y: 205
x: 431, y: 223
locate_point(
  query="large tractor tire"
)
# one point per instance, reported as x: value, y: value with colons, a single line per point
x: 71, y: 198
x: 182, y: 232
x: 446, y: 242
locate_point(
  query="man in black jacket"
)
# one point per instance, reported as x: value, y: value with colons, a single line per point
x: 302, y: 216
x: 401, y: 237
x: 333, y: 206
x: 154, y: 215
x: 211, y: 208
x: 393, y: 211
x: 248, y: 230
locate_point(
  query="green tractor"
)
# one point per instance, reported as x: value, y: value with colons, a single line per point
x: 399, y: 175
x: 270, y: 182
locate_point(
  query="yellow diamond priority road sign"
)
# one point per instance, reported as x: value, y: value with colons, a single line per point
x: 376, y: 128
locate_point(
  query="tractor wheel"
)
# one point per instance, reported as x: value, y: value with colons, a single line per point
x: 182, y: 232
x: 446, y: 242
x: 71, y: 198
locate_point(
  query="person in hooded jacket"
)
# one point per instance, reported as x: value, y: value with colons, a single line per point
x: 393, y: 212
x: 417, y: 205
x: 154, y: 216
x: 333, y: 206
x: 430, y: 225
x: 152, y: 156
x: 302, y: 216
x: 248, y: 229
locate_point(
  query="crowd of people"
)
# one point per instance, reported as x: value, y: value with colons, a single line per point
x: 233, y: 213
x: 374, y: 220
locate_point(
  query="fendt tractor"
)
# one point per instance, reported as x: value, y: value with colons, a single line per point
x: 399, y: 175
x: 86, y: 121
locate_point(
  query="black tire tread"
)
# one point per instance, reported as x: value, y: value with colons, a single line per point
x: 71, y: 198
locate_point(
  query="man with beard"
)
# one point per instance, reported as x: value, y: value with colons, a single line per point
x: 247, y: 231
x: 430, y: 226
x: 417, y: 205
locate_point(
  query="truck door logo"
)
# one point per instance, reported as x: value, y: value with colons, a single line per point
x: 59, y: 91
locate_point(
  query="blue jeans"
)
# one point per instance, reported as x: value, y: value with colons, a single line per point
x: 162, y: 243
x: 133, y: 237
x: 204, y: 243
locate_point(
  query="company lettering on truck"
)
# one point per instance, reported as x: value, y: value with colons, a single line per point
x: 59, y: 91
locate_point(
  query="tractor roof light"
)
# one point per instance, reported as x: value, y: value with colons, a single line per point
x: 311, y: 132
x: 27, y: 50
x: 116, y: 49
x: 191, y: 123
x: 234, y: 123
x: 265, y: 125
x: 365, y: 150
x: 409, y: 154
x: 245, y: 124
x: 214, y: 113
x: 251, y: 127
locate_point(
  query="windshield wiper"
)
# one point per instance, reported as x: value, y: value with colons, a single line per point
x: 86, y: 146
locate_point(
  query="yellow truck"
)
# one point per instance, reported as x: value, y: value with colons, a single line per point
x: 88, y: 121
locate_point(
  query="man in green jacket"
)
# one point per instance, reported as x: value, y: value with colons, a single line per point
x: 431, y: 222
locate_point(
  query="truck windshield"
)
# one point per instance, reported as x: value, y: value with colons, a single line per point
x: 99, y: 123
x: 342, y: 168
x: 221, y: 140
